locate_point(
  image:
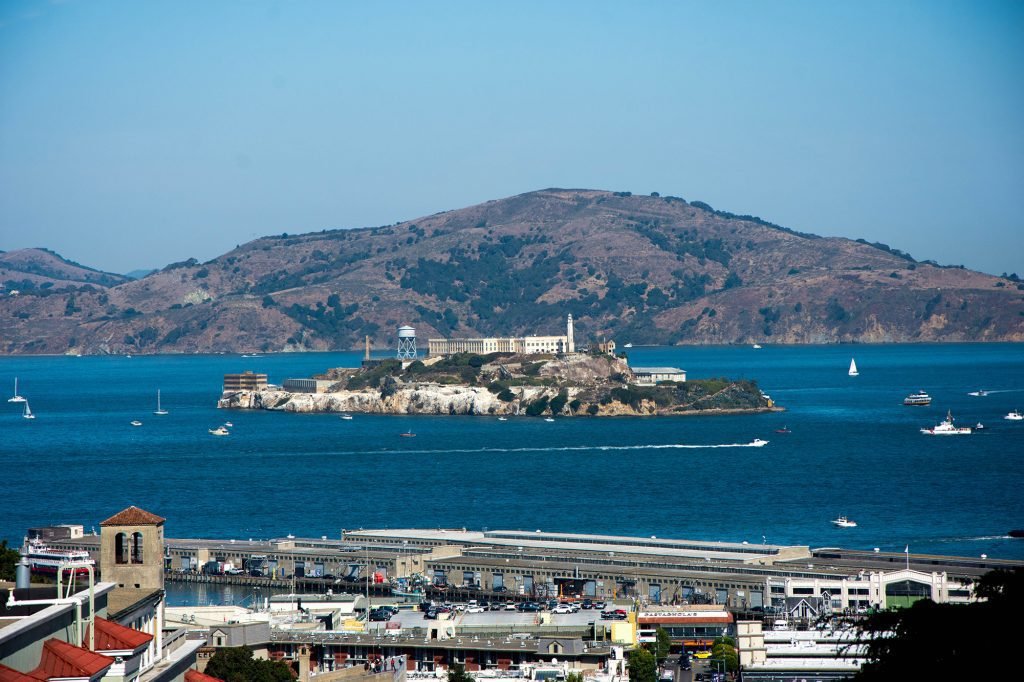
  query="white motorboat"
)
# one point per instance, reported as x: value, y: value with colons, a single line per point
x: 757, y: 346
x: 503, y: 419
x: 346, y: 417
x: 229, y: 424
x: 219, y: 431
x: 548, y: 419
x: 853, y: 368
x: 920, y: 399
x: 980, y: 393
x: 979, y: 426
x: 1014, y: 416
x: 15, y: 398
x: 136, y: 422
x: 947, y: 428
x: 159, y: 410
x: 628, y: 345
x: 758, y: 443
x: 28, y: 412
x: 843, y: 522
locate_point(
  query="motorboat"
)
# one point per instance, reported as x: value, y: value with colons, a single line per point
x: 947, y: 428
x: 757, y: 346
x: 919, y: 399
x: 980, y: 393
x: 346, y: 417
x: 628, y: 345
x: 843, y: 522
x: 758, y: 443
x: 784, y: 429
x: 979, y: 426
x: 229, y: 425
x: 503, y: 419
x: 136, y: 422
x: 159, y: 410
x: 15, y: 398
x: 548, y: 419
x: 27, y: 414
x: 853, y: 368
x: 407, y: 434
x: 219, y: 431
x: 1014, y: 416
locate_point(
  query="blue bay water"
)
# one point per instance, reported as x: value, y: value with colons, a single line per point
x: 854, y: 449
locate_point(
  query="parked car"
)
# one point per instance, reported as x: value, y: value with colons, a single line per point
x: 600, y: 605
x: 477, y: 608
x: 702, y: 654
x: 529, y: 606
x: 510, y: 606
x: 587, y: 604
x: 430, y: 614
x: 561, y: 608
x: 378, y: 615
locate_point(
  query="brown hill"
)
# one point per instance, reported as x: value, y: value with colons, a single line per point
x: 644, y: 269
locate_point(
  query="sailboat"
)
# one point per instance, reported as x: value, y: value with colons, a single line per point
x: 16, y: 398
x: 28, y: 411
x: 159, y: 410
x: 853, y: 368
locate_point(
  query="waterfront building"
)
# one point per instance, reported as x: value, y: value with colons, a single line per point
x: 508, y: 344
x: 650, y: 376
x: 307, y: 385
x: 789, y: 654
x: 246, y: 381
x: 694, y: 626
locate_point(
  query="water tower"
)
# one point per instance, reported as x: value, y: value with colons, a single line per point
x: 406, y: 343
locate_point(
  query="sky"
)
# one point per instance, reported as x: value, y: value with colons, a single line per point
x: 136, y: 134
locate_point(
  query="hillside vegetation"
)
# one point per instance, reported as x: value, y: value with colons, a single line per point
x: 642, y: 269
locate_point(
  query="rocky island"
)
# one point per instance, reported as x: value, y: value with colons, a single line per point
x: 575, y: 384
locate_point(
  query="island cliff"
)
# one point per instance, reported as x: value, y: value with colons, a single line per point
x: 507, y: 384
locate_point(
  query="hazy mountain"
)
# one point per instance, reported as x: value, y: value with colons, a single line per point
x: 644, y: 269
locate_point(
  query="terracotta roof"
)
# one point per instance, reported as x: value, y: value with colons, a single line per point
x: 113, y: 637
x: 133, y: 516
x: 12, y: 675
x: 61, y: 659
x: 196, y: 676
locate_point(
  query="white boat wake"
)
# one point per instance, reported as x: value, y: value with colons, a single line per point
x: 581, y: 448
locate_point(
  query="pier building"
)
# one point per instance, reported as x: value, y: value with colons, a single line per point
x: 507, y: 344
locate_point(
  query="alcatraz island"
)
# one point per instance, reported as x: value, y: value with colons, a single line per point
x: 530, y: 375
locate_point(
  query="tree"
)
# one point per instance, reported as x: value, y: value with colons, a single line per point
x: 236, y: 664
x: 724, y: 649
x: 662, y: 645
x: 8, y: 559
x: 457, y: 673
x: 642, y: 666
x: 928, y: 640
x: 574, y: 677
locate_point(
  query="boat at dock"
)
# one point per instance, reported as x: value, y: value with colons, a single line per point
x: 843, y: 522
x: 947, y: 428
x: 918, y: 399
x: 43, y: 559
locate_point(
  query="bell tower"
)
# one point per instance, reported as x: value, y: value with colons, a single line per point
x: 132, y: 549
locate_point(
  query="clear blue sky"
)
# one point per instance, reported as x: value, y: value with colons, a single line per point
x: 135, y: 134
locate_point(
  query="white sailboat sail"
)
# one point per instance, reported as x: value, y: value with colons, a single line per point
x: 28, y: 412
x: 159, y: 410
x: 853, y: 368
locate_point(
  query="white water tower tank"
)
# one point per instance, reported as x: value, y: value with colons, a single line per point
x: 406, y: 343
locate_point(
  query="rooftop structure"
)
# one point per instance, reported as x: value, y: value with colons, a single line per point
x: 649, y: 376
x: 246, y: 381
x: 507, y: 344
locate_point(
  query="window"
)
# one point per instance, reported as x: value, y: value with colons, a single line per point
x: 137, y: 556
x: 121, y: 548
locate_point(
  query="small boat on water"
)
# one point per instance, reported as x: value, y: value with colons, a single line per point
x: 407, y: 434
x: 628, y: 345
x: 219, y: 431
x: 758, y: 443
x: 15, y: 398
x: 1016, y: 533
x: 159, y: 410
x: 979, y: 426
x: 784, y: 429
x: 757, y: 346
x: 947, y: 428
x: 28, y: 412
x: 548, y: 419
x: 853, y: 368
x: 503, y: 419
x: 843, y: 522
x: 346, y: 417
x: 980, y: 393
x: 229, y: 424
x: 136, y: 422
x: 1014, y: 416
x: 919, y: 399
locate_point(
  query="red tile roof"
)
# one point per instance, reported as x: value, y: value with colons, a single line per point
x: 133, y: 516
x: 12, y: 675
x: 113, y: 637
x: 61, y: 659
x: 196, y: 676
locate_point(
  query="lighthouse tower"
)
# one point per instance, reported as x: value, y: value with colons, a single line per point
x: 569, y: 340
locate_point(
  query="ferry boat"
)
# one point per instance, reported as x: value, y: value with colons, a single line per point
x: 918, y: 399
x: 843, y: 522
x: 946, y: 428
x: 42, y: 559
